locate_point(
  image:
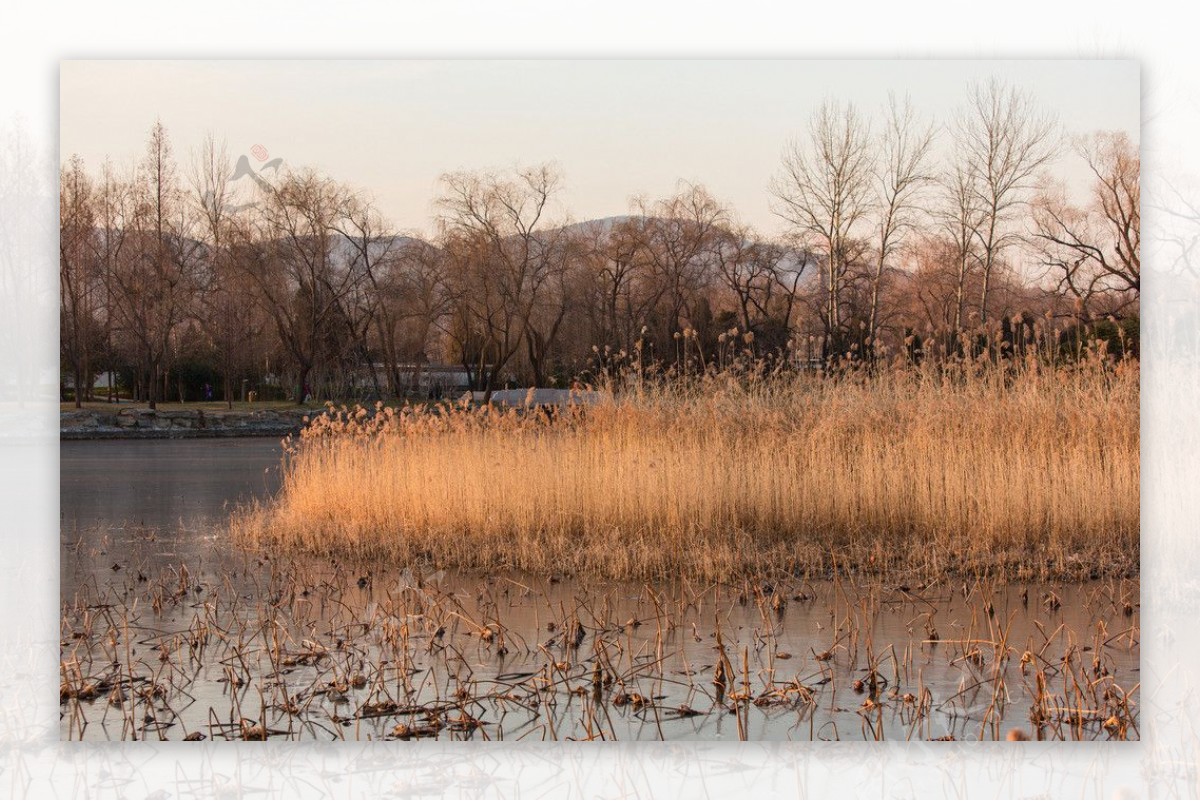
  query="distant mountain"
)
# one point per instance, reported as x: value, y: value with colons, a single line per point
x: 344, y: 249
x: 600, y: 225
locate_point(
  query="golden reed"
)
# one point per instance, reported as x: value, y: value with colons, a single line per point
x: 1028, y: 473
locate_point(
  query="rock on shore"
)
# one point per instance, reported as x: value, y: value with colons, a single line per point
x: 177, y: 424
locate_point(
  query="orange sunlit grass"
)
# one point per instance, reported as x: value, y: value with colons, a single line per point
x: 1031, y: 473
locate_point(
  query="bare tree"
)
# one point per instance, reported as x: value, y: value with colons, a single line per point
x: 622, y: 282
x: 901, y: 173
x: 763, y: 277
x: 415, y: 288
x: 313, y: 277
x: 210, y: 177
x: 153, y: 286
x: 79, y: 283
x: 373, y: 251
x: 294, y: 267
x: 609, y: 262
x: 503, y: 257
x: 824, y: 193
x: 226, y: 308
x: 1004, y: 141
x: 961, y: 215
x: 1094, y: 251
x: 675, y: 240
x: 552, y: 304
x: 113, y: 198
x: 233, y: 316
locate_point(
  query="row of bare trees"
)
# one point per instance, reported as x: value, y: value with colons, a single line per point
x: 895, y: 229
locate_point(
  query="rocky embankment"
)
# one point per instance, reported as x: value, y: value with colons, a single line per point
x: 171, y: 424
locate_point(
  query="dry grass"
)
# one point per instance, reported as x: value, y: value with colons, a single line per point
x: 1027, y: 473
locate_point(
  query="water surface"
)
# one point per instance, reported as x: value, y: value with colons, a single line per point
x: 170, y: 630
x: 162, y: 483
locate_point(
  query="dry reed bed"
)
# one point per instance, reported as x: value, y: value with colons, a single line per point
x: 256, y: 648
x: 1030, y: 473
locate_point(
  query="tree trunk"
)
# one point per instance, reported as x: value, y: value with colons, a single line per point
x: 489, y: 386
x: 302, y: 383
x: 983, y: 297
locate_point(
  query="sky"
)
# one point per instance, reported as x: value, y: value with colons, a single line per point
x: 616, y: 129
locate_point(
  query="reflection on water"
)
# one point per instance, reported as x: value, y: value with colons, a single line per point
x: 161, y: 483
x: 169, y: 631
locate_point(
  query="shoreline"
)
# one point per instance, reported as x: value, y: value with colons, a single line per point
x: 141, y: 423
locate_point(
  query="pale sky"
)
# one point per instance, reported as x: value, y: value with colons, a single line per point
x: 616, y: 129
